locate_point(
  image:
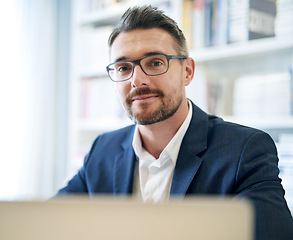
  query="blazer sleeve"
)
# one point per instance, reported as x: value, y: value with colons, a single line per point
x: 258, y: 179
x: 77, y: 185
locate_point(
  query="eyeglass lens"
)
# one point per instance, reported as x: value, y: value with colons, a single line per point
x: 153, y: 65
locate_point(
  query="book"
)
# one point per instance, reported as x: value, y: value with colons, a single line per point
x: 198, y: 24
x: 208, y: 17
x: 220, y: 95
x: 187, y: 22
x: 238, y: 20
x: 220, y: 23
x: 251, y: 19
x: 284, y: 19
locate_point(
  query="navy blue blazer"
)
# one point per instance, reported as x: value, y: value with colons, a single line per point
x: 215, y: 158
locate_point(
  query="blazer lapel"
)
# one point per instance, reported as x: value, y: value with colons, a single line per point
x: 188, y: 162
x: 193, y: 143
x: 124, y: 166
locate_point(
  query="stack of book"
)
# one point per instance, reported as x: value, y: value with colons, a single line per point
x: 253, y: 19
x: 218, y: 22
x: 220, y: 96
x: 205, y: 22
x: 263, y: 95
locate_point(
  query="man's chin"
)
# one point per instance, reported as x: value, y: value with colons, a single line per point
x: 148, y: 117
x: 144, y: 120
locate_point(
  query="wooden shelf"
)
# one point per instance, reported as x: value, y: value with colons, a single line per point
x: 239, y: 50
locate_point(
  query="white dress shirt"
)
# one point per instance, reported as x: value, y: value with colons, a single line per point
x: 153, y: 177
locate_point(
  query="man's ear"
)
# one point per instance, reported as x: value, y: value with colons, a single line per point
x: 189, y: 70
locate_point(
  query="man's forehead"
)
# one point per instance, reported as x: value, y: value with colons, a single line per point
x: 141, y: 42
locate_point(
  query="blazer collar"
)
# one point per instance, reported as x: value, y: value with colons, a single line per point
x: 193, y: 143
x: 124, y: 166
x: 188, y: 163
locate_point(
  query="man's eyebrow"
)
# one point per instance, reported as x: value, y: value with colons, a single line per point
x: 152, y: 53
x: 124, y: 58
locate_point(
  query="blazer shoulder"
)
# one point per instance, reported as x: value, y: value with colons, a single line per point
x: 115, y: 138
x: 215, y: 122
x: 119, y: 133
x: 225, y: 130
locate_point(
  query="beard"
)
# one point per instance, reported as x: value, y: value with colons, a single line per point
x: 168, y: 107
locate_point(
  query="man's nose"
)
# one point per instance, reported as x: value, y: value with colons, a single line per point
x: 139, y: 78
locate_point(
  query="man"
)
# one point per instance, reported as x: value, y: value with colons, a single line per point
x: 175, y: 149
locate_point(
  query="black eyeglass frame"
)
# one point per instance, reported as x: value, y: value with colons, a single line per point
x: 137, y: 62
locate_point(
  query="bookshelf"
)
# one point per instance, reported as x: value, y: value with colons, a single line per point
x: 262, y: 57
x: 219, y: 65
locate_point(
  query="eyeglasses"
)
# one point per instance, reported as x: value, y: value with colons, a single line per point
x: 152, y: 66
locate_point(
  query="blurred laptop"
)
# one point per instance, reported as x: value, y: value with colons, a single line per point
x: 125, y: 219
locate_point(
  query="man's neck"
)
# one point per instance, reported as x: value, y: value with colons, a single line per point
x: 155, y: 137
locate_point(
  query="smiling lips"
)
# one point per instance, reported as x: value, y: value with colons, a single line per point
x: 143, y: 94
x: 143, y: 97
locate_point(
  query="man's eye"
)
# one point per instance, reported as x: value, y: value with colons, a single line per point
x: 123, y: 68
x: 156, y: 63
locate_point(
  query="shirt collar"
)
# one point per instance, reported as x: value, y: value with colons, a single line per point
x: 173, y: 147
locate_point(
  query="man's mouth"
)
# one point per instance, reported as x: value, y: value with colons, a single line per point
x: 143, y: 97
x: 143, y: 94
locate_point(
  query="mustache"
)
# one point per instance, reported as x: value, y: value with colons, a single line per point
x: 143, y: 91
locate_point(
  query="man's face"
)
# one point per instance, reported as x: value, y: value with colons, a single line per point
x: 149, y: 99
